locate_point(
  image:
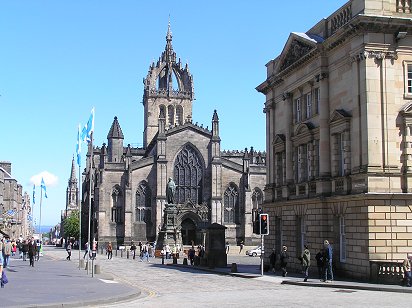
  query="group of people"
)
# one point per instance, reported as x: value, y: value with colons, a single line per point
x: 323, y: 261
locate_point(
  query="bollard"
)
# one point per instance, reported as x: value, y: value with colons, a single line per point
x: 116, y: 252
x: 174, y: 260
x: 81, y: 264
x: 121, y: 253
x: 97, y: 269
x: 184, y: 261
x: 163, y: 259
x: 127, y: 254
x: 233, y: 268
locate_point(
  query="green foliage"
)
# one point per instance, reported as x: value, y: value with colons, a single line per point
x: 71, y: 225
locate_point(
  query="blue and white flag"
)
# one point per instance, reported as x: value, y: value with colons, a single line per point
x: 10, y: 213
x: 34, y: 192
x: 29, y: 217
x: 78, y: 147
x: 43, y: 187
x: 88, y: 128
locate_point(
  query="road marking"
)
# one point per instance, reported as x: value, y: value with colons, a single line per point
x: 108, y: 281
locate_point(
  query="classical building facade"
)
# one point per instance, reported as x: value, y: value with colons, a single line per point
x: 338, y: 128
x: 128, y: 198
x: 15, y: 208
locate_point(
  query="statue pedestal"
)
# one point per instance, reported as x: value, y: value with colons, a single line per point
x: 170, y: 232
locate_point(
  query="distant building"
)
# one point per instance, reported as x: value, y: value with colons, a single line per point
x: 212, y: 186
x: 15, y: 207
x: 338, y: 112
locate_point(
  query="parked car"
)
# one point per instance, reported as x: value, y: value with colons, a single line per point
x: 256, y: 252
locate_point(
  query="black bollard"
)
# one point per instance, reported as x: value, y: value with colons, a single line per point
x: 163, y: 259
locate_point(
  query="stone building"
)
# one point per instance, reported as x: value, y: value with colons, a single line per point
x: 72, y: 201
x: 338, y: 137
x: 15, y: 207
x: 212, y: 186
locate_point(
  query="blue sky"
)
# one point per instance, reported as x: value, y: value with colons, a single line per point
x: 58, y: 59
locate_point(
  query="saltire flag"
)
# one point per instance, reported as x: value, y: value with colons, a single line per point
x: 88, y: 128
x: 10, y: 213
x: 43, y: 187
x: 34, y: 192
x: 78, y: 146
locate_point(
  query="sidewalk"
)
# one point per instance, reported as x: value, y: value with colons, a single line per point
x: 56, y: 282
x: 253, y: 272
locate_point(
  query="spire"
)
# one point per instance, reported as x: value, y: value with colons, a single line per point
x: 169, y: 53
x: 115, y: 130
x: 73, y: 172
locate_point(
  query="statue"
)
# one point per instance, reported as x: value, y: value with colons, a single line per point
x: 170, y: 191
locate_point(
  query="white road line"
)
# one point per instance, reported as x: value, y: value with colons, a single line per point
x: 108, y: 281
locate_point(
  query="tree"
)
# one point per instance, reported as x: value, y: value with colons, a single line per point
x: 71, y: 225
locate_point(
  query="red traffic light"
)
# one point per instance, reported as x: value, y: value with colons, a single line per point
x: 264, y: 217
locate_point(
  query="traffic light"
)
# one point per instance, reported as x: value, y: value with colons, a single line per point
x: 264, y: 224
x: 256, y: 220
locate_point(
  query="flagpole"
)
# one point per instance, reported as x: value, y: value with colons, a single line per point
x: 90, y: 196
x: 80, y: 215
x: 41, y: 198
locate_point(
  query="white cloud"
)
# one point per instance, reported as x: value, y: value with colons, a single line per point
x: 49, y: 179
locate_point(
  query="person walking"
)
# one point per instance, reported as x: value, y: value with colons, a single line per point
x: 38, y: 247
x: 133, y: 249
x: 109, y: 251
x: 32, y: 250
x: 69, y: 251
x: 272, y: 260
x: 305, y: 262
x: 86, y: 250
x: 407, y: 272
x: 168, y: 252
x: 284, y: 260
x: 7, y: 253
x: 1, y: 263
x: 227, y: 248
x: 320, y: 264
x: 241, y: 246
x: 328, y: 275
x: 145, y: 253
x: 25, y: 249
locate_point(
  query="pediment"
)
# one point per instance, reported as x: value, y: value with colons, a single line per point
x: 279, y: 139
x: 303, y: 128
x: 339, y: 115
x: 297, y: 46
x: 406, y: 110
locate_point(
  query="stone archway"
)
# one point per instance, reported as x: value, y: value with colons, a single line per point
x: 188, y: 231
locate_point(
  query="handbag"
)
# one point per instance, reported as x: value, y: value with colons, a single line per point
x: 4, y: 279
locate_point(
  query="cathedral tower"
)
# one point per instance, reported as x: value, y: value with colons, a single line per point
x: 72, y: 191
x: 167, y: 87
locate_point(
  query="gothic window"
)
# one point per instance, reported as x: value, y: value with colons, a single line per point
x: 188, y: 174
x: 171, y: 114
x: 162, y: 110
x: 179, y: 115
x: 231, y: 204
x: 117, y: 205
x: 143, y: 203
x: 257, y: 198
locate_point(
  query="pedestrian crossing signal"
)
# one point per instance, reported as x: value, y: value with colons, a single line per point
x: 264, y: 224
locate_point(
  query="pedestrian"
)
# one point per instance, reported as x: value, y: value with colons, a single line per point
x: 284, y: 260
x: 86, y: 250
x: 69, y: 250
x: 227, y: 248
x: 38, y: 246
x: 140, y: 244
x: 25, y: 249
x: 328, y: 253
x: 167, y: 251
x: 1, y: 263
x: 305, y: 262
x: 13, y: 248
x: 20, y: 247
x: 191, y: 255
x: 7, y: 252
x: 272, y: 260
x: 32, y: 250
x: 407, y: 272
x: 145, y: 252
x: 109, y: 250
x: 320, y: 264
x: 241, y: 246
x: 133, y: 249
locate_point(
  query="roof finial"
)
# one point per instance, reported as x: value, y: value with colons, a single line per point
x: 169, y: 32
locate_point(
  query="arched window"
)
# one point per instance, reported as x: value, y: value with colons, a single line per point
x: 143, y: 208
x: 162, y: 110
x: 179, y: 115
x: 231, y: 204
x: 188, y: 173
x: 171, y: 114
x: 257, y: 198
x: 117, y: 205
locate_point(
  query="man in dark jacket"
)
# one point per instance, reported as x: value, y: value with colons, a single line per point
x: 328, y: 262
x: 306, y: 262
x: 272, y: 260
x: 32, y: 251
x: 284, y: 260
x: 25, y: 249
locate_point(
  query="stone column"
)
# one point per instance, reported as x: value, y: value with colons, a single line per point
x: 288, y: 142
x: 324, y: 135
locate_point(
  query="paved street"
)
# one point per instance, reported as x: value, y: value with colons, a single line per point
x: 170, y: 286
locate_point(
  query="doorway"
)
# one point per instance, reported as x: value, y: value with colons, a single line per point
x: 188, y: 232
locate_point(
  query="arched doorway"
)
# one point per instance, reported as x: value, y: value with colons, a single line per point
x: 188, y: 230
